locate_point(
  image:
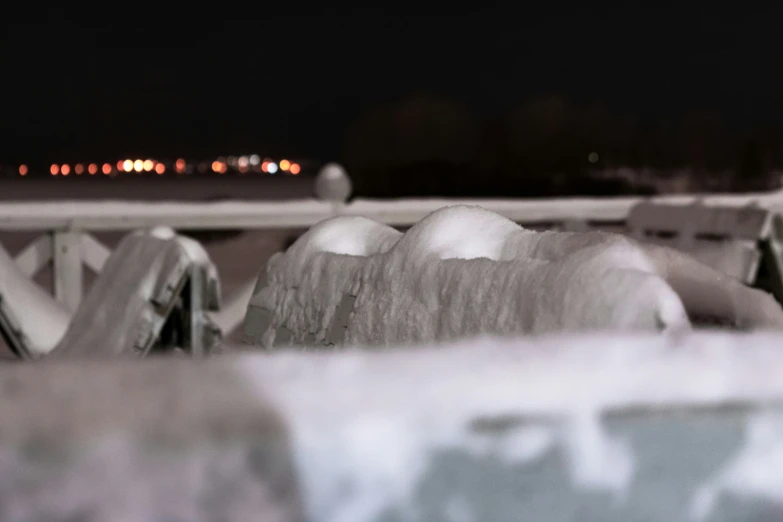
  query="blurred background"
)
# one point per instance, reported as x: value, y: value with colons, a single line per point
x: 479, y: 102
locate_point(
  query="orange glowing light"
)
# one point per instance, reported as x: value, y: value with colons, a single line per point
x: 23, y: 170
x: 54, y: 169
x: 265, y: 166
x: 216, y: 166
x: 180, y: 165
x: 148, y: 165
x: 79, y: 168
x: 127, y: 166
x: 295, y: 169
x: 285, y: 164
x: 106, y: 169
x: 159, y: 168
x: 65, y: 169
x: 92, y: 169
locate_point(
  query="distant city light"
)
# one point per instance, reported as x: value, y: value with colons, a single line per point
x: 222, y: 165
x: 592, y: 157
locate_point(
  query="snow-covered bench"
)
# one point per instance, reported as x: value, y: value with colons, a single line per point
x: 152, y: 293
x: 743, y: 242
x: 464, y: 271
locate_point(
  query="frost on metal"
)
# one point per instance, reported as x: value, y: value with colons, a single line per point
x: 563, y: 428
x: 154, y: 290
x: 466, y: 271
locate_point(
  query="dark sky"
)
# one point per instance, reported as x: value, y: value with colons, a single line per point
x: 199, y: 82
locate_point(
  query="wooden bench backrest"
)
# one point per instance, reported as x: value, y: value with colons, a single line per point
x: 724, y: 238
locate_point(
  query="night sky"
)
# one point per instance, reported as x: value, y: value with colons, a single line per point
x: 200, y: 82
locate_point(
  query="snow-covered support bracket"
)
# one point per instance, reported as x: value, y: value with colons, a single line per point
x: 152, y: 293
x: 597, y: 427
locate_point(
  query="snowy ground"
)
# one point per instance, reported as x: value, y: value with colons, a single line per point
x: 562, y: 428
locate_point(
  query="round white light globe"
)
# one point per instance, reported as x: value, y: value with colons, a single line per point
x: 333, y: 184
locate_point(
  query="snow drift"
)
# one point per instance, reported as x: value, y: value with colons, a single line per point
x: 459, y: 271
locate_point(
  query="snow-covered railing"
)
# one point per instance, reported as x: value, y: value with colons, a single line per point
x: 69, y: 245
x: 152, y: 294
x: 70, y: 251
x: 569, y: 428
x: 120, y: 215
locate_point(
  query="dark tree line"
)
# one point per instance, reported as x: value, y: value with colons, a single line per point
x: 429, y: 146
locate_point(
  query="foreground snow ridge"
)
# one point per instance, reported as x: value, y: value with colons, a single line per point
x: 460, y: 271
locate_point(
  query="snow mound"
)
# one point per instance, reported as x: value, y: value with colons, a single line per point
x: 460, y: 271
x: 350, y: 235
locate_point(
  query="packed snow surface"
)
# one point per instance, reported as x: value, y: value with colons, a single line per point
x: 374, y: 419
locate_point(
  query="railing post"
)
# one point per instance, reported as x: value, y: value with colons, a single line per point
x: 35, y: 256
x: 67, y: 268
x: 196, y: 322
